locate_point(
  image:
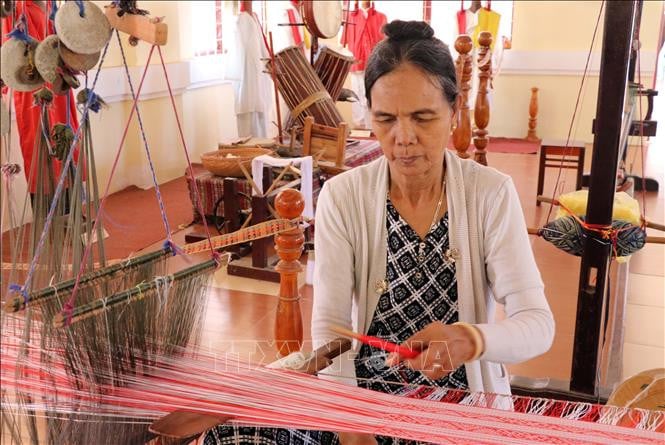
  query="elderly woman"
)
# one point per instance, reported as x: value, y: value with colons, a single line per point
x: 418, y: 246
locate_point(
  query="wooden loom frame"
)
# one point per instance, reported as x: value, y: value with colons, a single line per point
x: 614, y: 117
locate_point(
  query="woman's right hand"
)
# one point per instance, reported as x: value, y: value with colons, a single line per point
x: 356, y: 439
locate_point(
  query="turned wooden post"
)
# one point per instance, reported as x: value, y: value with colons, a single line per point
x: 481, y: 112
x: 462, y: 131
x: 533, y: 115
x: 289, y: 204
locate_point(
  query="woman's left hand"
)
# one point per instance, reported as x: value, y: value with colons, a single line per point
x: 443, y: 349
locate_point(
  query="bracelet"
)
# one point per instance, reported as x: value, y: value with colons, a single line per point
x: 477, y: 338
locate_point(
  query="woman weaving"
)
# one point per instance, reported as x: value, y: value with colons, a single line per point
x: 418, y: 246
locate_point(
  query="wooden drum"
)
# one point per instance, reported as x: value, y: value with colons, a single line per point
x: 332, y: 68
x: 322, y: 18
x: 302, y: 89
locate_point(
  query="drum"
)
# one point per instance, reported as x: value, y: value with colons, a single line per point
x: 302, y: 89
x: 322, y: 18
x: 332, y: 68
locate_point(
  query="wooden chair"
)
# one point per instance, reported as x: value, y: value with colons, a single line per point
x: 325, y: 144
x: 555, y: 154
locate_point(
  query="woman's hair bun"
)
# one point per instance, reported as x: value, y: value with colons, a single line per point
x: 413, y: 30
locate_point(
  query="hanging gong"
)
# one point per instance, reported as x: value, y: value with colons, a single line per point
x: 47, y: 58
x: 322, y: 18
x: 84, y: 31
x: 17, y: 67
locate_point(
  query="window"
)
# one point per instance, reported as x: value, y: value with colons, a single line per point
x: 207, y: 23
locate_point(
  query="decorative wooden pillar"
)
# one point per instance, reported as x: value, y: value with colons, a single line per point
x: 289, y: 204
x: 462, y: 131
x: 481, y: 111
x: 533, y: 114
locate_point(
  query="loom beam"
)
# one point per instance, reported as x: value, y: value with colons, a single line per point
x: 150, y: 30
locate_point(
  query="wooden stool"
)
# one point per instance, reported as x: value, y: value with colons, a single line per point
x: 556, y: 154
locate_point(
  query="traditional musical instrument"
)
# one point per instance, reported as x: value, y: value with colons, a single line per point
x: 322, y: 18
x: 78, y: 62
x: 47, y: 58
x: 332, y: 68
x: 302, y: 89
x: 17, y: 67
x: 82, y: 27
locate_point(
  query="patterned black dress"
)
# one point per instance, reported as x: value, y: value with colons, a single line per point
x: 422, y: 289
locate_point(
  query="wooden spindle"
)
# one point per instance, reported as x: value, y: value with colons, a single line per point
x: 462, y: 131
x: 481, y: 112
x: 289, y: 204
x: 533, y: 115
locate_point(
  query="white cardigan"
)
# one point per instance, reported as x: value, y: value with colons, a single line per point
x: 495, y: 263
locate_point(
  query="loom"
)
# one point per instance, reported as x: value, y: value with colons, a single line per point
x: 144, y: 312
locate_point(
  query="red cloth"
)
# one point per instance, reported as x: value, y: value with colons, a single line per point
x: 27, y: 114
x: 295, y: 31
x: 362, y: 34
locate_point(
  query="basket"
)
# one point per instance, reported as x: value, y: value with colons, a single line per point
x: 225, y: 162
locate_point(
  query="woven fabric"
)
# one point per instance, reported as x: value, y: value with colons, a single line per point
x: 422, y: 289
x: 362, y: 152
x: 244, y: 435
x: 567, y: 234
x: 211, y: 190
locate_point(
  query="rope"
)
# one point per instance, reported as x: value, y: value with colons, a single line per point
x: 60, y: 187
x: 81, y: 6
x: 577, y: 104
x: 160, y: 200
x: 190, y: 170
x: 68, y: 107
x: 69, y: 306
x: 54, y: 11
x: 309, y: 101
x: 607, y: 232
x: 20, y: 31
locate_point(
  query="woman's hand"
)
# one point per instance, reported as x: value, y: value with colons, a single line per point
x: 356, y: 439
x: 443, y: 349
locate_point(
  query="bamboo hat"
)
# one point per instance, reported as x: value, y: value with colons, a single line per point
x: 78, y: 62
x: 47, y: 58
x: 85, y: 33
x: 17, y: 67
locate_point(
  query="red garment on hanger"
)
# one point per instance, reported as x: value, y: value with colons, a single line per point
x: 362, y: 34
x: 461, y: 19
x: 27, y: 114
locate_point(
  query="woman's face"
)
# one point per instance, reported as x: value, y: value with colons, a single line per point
x: 411, y: 119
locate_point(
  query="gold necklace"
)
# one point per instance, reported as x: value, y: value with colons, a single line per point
x: 420, y: 257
